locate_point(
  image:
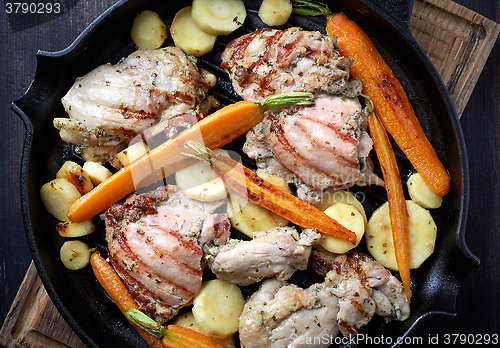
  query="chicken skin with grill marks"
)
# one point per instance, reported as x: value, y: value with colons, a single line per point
x: 315, y: 147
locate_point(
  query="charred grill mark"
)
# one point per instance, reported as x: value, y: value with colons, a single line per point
x: 136, y: 264
x: 239, y: 48
x: 339, y: 133
x: 321, y: 263
x: 137, y: 114
x: 248, y: 74
x: 184, y: 98
x: 148, y: 299
x: 299, y: 159
x: 280, y: 137
x: 341, y: 159
x: 221, y: 224
x: 286, y: 50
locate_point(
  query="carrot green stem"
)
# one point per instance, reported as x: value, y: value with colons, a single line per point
x: 310, y: 8
x: 286, y: 99
x: 146, y: 323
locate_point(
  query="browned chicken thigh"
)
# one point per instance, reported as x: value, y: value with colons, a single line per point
x: 150, y: 91
x: 155, y: 245
x: 282, y: 315
x: 315, y: 147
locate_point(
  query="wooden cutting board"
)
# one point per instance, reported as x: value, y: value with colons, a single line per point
x: 457, y: 40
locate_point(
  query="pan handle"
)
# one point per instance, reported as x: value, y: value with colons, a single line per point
x: 400, y: 10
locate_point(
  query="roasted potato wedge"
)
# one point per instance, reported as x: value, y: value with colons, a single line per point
x: 57, y: 196
x: 75, y: 174
x: 70, y: 229
x: 96, y: 171
x: 199, y: 182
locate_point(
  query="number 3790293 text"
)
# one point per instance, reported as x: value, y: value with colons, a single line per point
x: 32, y: 8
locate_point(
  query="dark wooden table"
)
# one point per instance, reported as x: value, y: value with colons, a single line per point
x: 478, y: 304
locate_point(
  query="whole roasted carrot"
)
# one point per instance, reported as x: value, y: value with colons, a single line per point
x: 115, y: 288
x: 259, y: 191
x: 389, y: 99
x: 173, y: 336
x: 218, y: 129
x: 395, y: 196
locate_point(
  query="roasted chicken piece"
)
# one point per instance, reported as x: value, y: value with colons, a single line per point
x: 159, y: 243
x: 278, y: 252
x: 155, y: 244
x: 314, y: 147
x: 150, y: 91
x: 270, y: 61
x: 278, y: 314
x: 387, y: 292
x: 357, y: 287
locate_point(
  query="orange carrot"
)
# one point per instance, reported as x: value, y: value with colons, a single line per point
x: 389, y: 99
x: 259, y: 191
x: 173, y: 336
x: 183, y: 337
x: 395, y: 196
x: 115, y: 288
x: 218, y: 129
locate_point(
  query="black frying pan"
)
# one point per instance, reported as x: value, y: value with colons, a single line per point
x: 78, y: 296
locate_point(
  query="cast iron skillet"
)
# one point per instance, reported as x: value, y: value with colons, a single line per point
x: 77, y: 294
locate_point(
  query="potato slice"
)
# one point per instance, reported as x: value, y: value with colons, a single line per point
x: 334, y: 196
x: 348, y: 216
x: 422, y: 235
x: 132, y: 153
x: 75, y: 174
x: 96, y: 171
x: 57, y: 196
x: 218, y: 17
x: 72, y: 229
x: 148, y: 30
x: 198, y: 181
x: 275, y: 12
x: 422, y: 194
x: 248, y: 217
x: 188, y: 37
x: 217, y: 308
x: 75, y: 254
x: 187, y: 320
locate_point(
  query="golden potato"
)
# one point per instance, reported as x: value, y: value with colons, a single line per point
x: 218, y: 17
x: 75, y: 174
x: 188, y: 37
x: 275, y: 12
x: 148, y: 30
x: 57, y: 196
